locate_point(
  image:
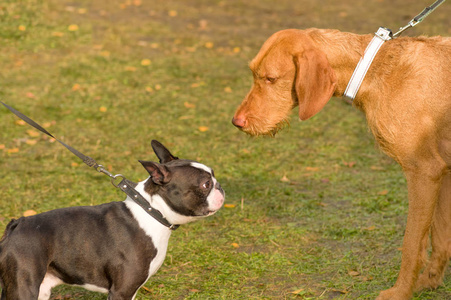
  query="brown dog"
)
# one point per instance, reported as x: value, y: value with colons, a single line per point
x: 406, y: 96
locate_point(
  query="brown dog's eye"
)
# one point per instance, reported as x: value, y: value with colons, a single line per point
x: 271, y: 79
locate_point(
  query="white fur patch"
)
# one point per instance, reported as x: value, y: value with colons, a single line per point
x: 201, y: 166
x: 50, y: 281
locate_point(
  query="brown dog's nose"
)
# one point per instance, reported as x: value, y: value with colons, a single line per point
x: 239, y: 122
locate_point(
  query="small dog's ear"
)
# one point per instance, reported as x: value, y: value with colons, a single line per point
x: 159, y: 174
x: 162, y: 152
x: 315, y: 82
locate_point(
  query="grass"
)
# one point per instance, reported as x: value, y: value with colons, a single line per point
x: 319, y: 212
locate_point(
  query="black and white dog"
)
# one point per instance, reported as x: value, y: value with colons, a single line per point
x: 112, y: 248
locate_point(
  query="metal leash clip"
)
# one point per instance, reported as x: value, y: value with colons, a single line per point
x: 101, y: 169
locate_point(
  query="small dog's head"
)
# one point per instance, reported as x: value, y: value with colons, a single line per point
x: 182, y: 190
x: 288, y: 71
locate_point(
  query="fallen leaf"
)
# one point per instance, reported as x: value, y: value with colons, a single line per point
x: 76, y: 87
x: 172, y: 13
x: 82, y: 11
x: 137, y: 2
x: 29, y: 212
x: 22, y: 28
x: 383, y: 192
x: 130, y: 69
x: 13, y: 150
x: 31, y: 142
x: 20, y: 122
x: 103, y: 109
x: 72, y: 27
x: 154, y: 45
x: 284, y: 179
x: 349, y: 164
x: 57, y: 34
x: 2, y: 146
x: 209, y: 45
x: 203, y: 128
x: 376, y: 168
x: 149, y: 89
x: 146, y: 62
x: 313, y: 169
x: 235, y: 245
x: 297, y: 292
x: 33, y: 133
x: 353, y: 273
x: 158, y: 87
x: 228, y: 89
x: 370, y: 228
x: 29, y: 95
x: 189, y: 105
x: 105, y: 53
x: 229, y: 205
x: 236, y: 49
x: 194, y: 290
x: 74, y: 164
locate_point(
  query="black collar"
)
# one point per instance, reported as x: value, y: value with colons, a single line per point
x: 128, y: 187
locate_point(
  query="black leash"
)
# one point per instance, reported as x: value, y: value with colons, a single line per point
x: 419, y: 18
x: 125, y: 185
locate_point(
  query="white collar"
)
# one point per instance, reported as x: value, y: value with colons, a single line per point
x: 381, y: 36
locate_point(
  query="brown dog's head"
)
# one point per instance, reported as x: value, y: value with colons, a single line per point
x: 288, y: 71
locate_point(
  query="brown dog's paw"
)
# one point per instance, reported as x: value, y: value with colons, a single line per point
x: 395, y: 293
x: 429, y: 279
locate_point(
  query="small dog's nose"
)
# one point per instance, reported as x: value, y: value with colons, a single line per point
x: 239, y: 122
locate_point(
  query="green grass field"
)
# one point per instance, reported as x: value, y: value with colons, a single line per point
x: 318, y: 212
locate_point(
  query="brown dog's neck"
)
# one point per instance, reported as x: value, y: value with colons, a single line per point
x: 343, y: 51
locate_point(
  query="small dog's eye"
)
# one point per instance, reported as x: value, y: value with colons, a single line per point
x: 206, y: 185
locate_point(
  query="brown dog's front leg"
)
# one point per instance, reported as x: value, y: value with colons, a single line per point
x: 423, y: 189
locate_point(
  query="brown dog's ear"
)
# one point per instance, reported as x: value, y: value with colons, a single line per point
x: 315, y: 82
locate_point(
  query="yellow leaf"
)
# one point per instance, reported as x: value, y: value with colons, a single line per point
x: 284, y: 179
x: 296, y: 292
x: 384, y: 192
x: 82, y: 11
x: 228, y: 89
x: 105, y: 53
x: 172, y: 13
x: 20, y: 122
x: 209, y: 45
x: 29, y: 212
x: 353, y: 273
x: 229, y: 205
x: 236, y: 49
x: 31, y: 142
x: 189, y: 105
x: 72, y: 27
x: 57, y: 34
x: 2, y: 146
x: 103, y: 108
x: 74, y: 164
x: 203, y: 128
x: 32, y: 133
x: 146, y: 62
x: 13, y: 150
x: 235, y: 245
x: 22, y: 28
x: 370, y: 228
x: 154, y: 45
x: 158, y: 87
x: 149, y: 89
x: 29, y: 95
x: 76, y: 87
x: 137, y: 2
x: 313, y: 169
x: 130, y: 69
